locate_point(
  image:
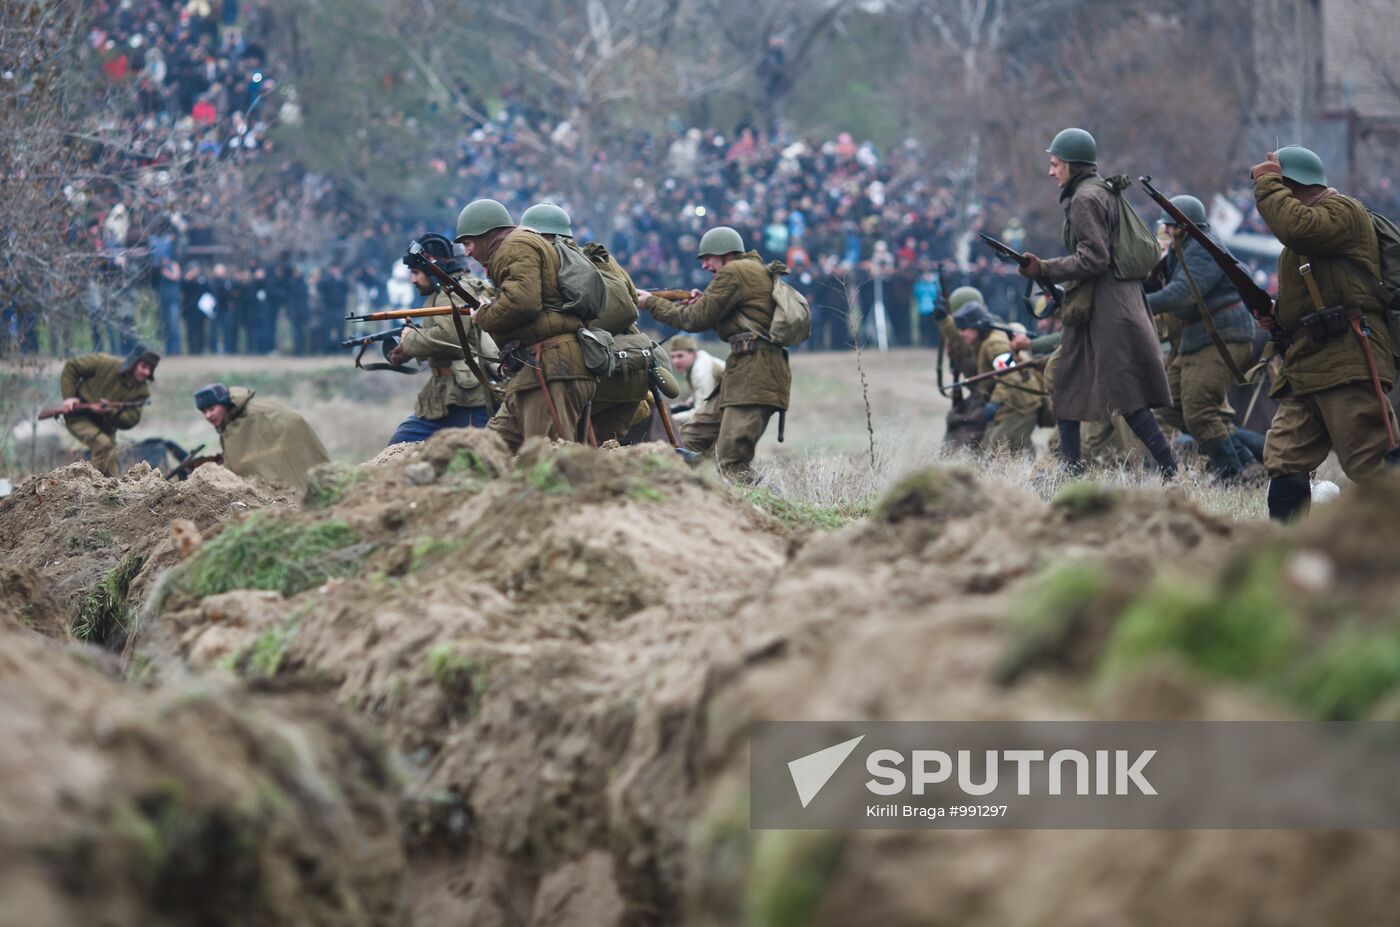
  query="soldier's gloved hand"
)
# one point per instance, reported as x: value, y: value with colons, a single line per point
x: 1020, y: 342
x: 989, y: 411
x: 1269, y: 165
x: 1031, y: 269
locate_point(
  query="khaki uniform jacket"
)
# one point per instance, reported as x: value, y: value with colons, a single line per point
x: 437, y: 343
x: 99, y: 376
x: 1112, y: 363
x: 739, y: 299
x: 265, y: 439
x: 961, y: 361
x: 1008, y: 397
x: 525, y: 272
x: 1336, y: 226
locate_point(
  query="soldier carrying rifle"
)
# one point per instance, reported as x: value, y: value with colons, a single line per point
x: 102, y: 395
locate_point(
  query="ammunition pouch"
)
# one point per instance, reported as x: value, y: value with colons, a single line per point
x: 745, y: 343
x: 608, y: 355
x: 1326, y: 325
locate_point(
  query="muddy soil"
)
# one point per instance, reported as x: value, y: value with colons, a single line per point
x: 562, y: 653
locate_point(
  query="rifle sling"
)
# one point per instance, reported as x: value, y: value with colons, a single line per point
x: 1206, y: 318
x: 487, y: 388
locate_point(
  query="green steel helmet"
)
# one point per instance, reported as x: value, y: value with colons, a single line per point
x: 721, y: 240
x: 547, y: 219
x: 1301, y: 165
x: 964, y: 295
x: 1191, y: 208
x: 1075, y: 146
x: 481, y: 216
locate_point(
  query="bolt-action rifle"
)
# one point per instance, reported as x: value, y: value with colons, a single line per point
x: 387, y: 340
x: 675, y: 296
x: 994, y: 374
x: 390, y: 315
x: 1054, y: 293
x: 100, y: 407
x: 1257, y: 300
x: 191, y: 463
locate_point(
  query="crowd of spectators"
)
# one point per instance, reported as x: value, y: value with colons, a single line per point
x: 856, y: 225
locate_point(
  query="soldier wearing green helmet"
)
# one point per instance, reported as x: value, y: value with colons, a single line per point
x: 547, y: 219
x: 1199, y: 374
x: 756, y: 382
x: 1109, y: 359
x: 1340, y: 342
x: 548, y: 386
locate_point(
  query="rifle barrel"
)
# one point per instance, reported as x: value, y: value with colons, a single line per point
x: 420, y: 312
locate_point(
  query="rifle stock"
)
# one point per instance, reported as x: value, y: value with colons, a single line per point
x: 192, y: 463
x: 675, y: 296
x: 421, y: 312
x: 1255, y: 298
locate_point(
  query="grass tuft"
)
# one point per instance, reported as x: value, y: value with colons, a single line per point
x: 805, y: 515
x: 266, y: 552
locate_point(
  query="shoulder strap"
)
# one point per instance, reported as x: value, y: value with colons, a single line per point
x: 1206, y: 318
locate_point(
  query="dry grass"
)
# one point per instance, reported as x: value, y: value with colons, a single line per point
x: 843, y: 480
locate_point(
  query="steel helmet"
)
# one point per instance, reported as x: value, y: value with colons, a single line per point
x: 1075, y: 146
x: 973, y: 315
x: 721, y: 240
x: 1191, y: 208
x: 547, y: 219
x: 1301, y: 165
x: 481, y: 216
x: 964, y: 295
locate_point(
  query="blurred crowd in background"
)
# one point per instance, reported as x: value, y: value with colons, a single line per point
x: 840, y: 212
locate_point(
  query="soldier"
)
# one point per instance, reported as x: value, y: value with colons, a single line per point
x: 261, y: 437
x: 548, y: 385
x: 1341, y: 346
x: 964, y: 426
x: 620, y: 401
x: 452, y: 397
x: 703, y: 372
x: 1013, y: 402
x: 1111, y: 361
x: 738, y: 304
x: 97, y: 378
x: 1199, y: 375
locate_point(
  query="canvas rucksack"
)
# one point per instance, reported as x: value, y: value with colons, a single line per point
x: 584, y: 290
x: 1134, y: 251
x: 620, y: 306
x: 792, y: 316
x: 1387, y: 288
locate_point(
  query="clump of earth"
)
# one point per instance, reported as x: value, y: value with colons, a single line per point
x: 516, y: 691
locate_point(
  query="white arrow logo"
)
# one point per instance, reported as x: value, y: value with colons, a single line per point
x: 812, y: 772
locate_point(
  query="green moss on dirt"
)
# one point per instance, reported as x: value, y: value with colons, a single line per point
x: 328, y: 484
x: 806, y: 515
x: 1348, y: 676
x: 267, y: 552
x: 103, y: 615
x: 791, y: 873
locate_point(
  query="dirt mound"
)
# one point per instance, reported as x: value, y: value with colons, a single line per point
x: 92, y: 545
x: 187, y: 806
x: 917, y: 614
x: 566, y: 649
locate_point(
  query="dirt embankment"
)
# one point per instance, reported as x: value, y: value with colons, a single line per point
x: 563, y: 652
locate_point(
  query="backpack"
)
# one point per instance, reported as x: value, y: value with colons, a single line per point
x: 1387, y: 288
x: 792, y: 316
x: 580, y: 283
x: 1134, y: 251
x: 620, y: 306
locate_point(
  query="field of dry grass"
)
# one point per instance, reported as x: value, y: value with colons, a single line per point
x: 826, y: 459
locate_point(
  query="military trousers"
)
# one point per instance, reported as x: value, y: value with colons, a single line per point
x: 1200, y: 383
x: 1346, y: 419
x: 733, y: 433
x: 526, y: 414
x: 102, y: 444
x: 1011, y: 431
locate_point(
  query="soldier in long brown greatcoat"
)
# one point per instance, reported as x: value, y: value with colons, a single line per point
x: 1111, y: 362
